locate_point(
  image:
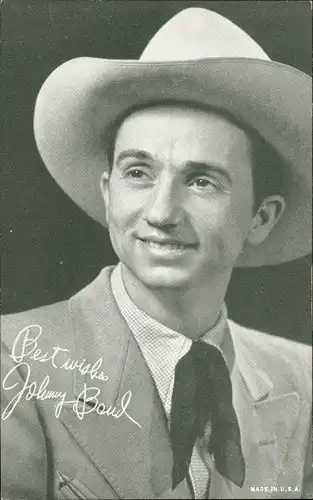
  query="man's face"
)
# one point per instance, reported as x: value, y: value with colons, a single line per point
x: 179, y: 198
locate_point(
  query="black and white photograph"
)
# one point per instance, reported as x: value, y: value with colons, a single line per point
x: 156, y: 337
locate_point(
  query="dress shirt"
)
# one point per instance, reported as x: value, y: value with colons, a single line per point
x: 162, y: 348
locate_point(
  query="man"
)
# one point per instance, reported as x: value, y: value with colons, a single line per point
x: 139, y: 386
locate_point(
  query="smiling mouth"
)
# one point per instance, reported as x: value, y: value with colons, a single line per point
x: 167, y: 245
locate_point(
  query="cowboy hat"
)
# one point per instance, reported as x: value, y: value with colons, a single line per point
x: 197, y: 56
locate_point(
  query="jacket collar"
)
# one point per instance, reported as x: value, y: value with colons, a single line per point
x: 258, y: 383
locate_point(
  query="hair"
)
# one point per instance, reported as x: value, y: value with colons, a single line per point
x: 269, y: 170
x: 268, y: 166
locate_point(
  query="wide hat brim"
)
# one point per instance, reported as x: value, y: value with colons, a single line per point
x: 81, y: 101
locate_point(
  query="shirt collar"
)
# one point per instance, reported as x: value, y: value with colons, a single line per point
x: 161, y: 346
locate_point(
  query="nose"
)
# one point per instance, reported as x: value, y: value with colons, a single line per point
x: 164, y: 205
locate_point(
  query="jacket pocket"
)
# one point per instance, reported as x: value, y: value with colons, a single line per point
x: 70, y: 488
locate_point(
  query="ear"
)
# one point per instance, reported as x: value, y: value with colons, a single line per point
x: 104, y: 186
x: 265, y: 219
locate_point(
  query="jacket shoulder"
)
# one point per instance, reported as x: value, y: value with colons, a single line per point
x: 283, y: 358
x: 53, y: 318
x: 271, y: 343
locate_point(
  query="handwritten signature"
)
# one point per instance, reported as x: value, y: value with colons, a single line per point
x: 26, y: 346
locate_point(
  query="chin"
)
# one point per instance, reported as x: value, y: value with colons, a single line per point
x: 164, y: 277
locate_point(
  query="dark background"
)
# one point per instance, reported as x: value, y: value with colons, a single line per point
x: 51, y: 248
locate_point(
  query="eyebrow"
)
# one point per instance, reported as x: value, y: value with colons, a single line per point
x: 190, y: 165
x: 134, y: 153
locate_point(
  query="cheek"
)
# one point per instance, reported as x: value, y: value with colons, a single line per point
x: 225, y: 229
x: 123, y: 211
x: 117, y: 219
x: 239, y: 211
x: 242, y: 215
x: 118, y: 209
x: 236, y: 226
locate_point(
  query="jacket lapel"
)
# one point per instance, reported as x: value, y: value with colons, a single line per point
x: 265, y: 430
x: 132, y: 451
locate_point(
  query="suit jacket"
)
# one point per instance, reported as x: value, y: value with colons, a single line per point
x: 104, y: 456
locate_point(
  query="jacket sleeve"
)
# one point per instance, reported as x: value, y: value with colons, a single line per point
x: 23, y: 449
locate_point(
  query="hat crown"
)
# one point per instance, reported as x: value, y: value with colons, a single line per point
x: 197, y: 33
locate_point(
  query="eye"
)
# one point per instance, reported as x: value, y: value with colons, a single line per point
x: 203, y: 183
x: 136, y: 173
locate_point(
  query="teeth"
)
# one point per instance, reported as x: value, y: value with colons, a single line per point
x: 165, y: 246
